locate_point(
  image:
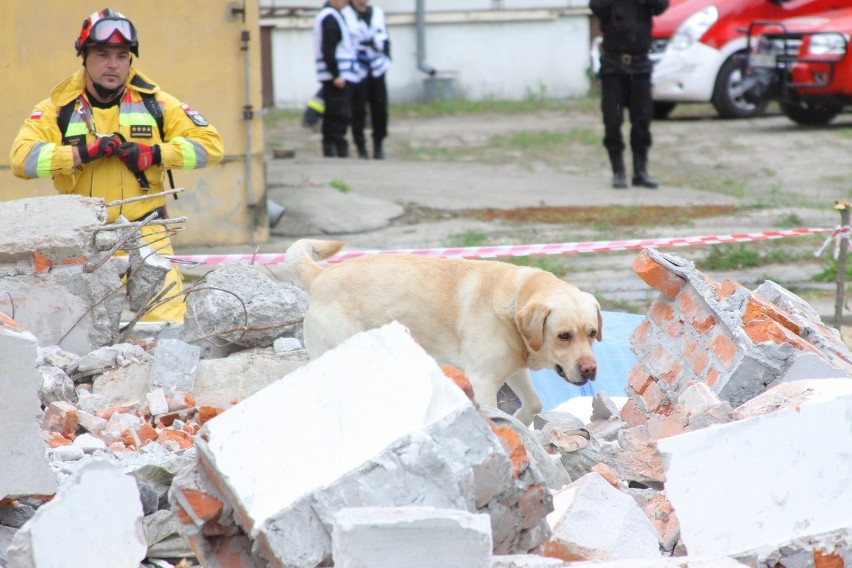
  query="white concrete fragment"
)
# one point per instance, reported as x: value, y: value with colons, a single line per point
x: 175, y: 366
x: 284, y: 344
x: 111, y: 535
x: 89, y: 443
x: 677, y: 562
x: 411, y: 537
x: 157, y: 403
x: 24, y: 467
x: 313, y: 395
x: 592, y: 520
x: 698, y: 397
x: 762, y: 481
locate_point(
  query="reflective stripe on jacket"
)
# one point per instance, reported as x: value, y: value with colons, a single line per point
x: 39, y: 152
x: 373, y: 56
x: 344, y: 53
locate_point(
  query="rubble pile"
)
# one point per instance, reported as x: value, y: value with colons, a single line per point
x: 218, y: 443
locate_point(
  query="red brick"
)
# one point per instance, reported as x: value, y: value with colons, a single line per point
x: 183, y: 439
x: 665, y: 366
x: 107, y: 412
x: 204, y: 507
x: 657, y: 276
x: 63, y: 418
x: 10, y: 324
x: 638, y: 378
x: 75, y: 260
x: 758, y: 309
x: 696, y: 356
x: 515, y: 448
x: 534, y: 504
x: 40, y: 262
x: 728, y: 288
x: 608, y: 474
x: 640, y: 334
x: 54, y: 439
x: 724, y: 348
x: 661, y: 313
x: 206, y: 413
x: 146, y: 434
x: 675, y: 330
x: 825, y: 560
x: 632, y: 415
x: 654, y: 397
x: 663, y: 426
x: 694, y: 312
x: 712, y: 378
x: 459, y: 378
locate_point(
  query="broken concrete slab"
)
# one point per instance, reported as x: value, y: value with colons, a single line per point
x: 111, y: 536
x: 592, y: 520
x: 47, y: 280
x: 238, y: 304
x: 414, y: 537
x: 175, y: 366
x: 25, y: 469
x: 782, y: 474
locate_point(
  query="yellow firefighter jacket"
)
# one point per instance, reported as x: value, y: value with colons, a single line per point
x: 41, y: 150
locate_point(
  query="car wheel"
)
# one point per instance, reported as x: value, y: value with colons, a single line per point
x: 728, y: 94
x: 810, y: 113
x: 663, y: 109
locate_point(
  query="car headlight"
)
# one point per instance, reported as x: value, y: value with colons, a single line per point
x: 692, y: 28
x: 828, y: 44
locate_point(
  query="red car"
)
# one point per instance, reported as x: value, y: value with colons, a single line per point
x: 804, y: 63
x: 700, y: 45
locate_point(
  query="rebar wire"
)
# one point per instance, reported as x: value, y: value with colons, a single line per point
x: 144, y: 197
x: 11, y: 302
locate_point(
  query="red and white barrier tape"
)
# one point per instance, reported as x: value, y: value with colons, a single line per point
x: 519, y: 250
x: 838, y: 234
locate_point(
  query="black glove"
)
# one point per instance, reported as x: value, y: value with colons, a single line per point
x: 139, y: 157
x: 101, y: 147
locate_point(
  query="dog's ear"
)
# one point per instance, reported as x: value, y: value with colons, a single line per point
x: 530, y: 321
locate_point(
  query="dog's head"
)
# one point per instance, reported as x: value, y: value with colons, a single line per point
x: 559, y: 324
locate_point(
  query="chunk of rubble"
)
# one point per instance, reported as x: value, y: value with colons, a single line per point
x: 594, y: 521
x: 46, y: 282
x: 735, y: 341
x: 24, y: 469
x: 771, y: 489
x: 425, y: 537
x: 400, y: 433
x: 111, y: 535
x: 238, y: 304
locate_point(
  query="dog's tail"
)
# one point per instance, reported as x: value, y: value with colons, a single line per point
x: 302, y: 255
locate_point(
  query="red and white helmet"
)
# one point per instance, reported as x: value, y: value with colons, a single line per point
x: 107, y: 27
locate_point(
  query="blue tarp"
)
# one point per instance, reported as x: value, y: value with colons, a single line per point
x: 615, y: 360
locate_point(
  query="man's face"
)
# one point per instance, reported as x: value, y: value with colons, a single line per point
x: 108, y: 65
x: 339, y: 4
x: 360, y: 5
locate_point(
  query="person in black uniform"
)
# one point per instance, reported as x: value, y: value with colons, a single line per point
x: 625, y: 76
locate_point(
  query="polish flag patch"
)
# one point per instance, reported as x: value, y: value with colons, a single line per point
x: 194, y: 116
x: 36, y: 115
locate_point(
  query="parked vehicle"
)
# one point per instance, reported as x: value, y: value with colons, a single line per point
x: 700, y: 48
x: 804, y: 63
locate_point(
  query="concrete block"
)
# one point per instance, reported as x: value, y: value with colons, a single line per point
x: 174, y: 367
x: 411, y: 537
x: 111, y: 536
x: 240, y: 304
x: 747, y: 487
x: 224, y: 382
x: 25, y: 468
x: 592, y: 520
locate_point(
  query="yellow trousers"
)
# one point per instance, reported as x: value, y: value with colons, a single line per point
x: 174, y: 309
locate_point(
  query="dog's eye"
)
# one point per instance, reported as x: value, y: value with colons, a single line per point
x: 566, y: 336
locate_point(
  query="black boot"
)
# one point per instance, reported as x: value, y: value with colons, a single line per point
x: 640, y: 172
x: 619, y: 174
x: 328, y: 150
x: 378, y: 153
x: 362, y: 151
x: 342, y: 149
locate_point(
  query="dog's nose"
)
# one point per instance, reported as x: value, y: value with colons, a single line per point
x: 588, y: 371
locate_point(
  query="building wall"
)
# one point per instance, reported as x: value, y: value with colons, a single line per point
x: 486, y: 53
x: 193, y: 50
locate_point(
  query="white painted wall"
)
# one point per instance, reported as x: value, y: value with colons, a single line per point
x: 501, y: 54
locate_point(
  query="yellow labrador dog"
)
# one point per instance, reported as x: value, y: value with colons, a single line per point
x: 492, y: 320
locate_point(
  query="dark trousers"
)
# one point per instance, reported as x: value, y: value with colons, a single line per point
x: 633, y: 91
x: 338, y: 114
x: 372, y: 92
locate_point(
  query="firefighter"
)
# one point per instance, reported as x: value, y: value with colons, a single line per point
x: 108, y: 131
x: 374, y: 56
x: 625, y: 76
x: 334, y: 55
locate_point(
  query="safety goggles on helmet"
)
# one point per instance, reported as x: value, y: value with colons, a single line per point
x: 108, y: 28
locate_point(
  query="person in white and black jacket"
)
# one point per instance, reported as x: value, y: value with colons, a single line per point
x: 335, y: 55
x: 625, y: 76
x: 373, y: 43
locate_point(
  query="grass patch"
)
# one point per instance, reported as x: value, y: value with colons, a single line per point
x: 340, y: 185
x: 829, y: 271
x: 729, y: 257
x: 468, y: 239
